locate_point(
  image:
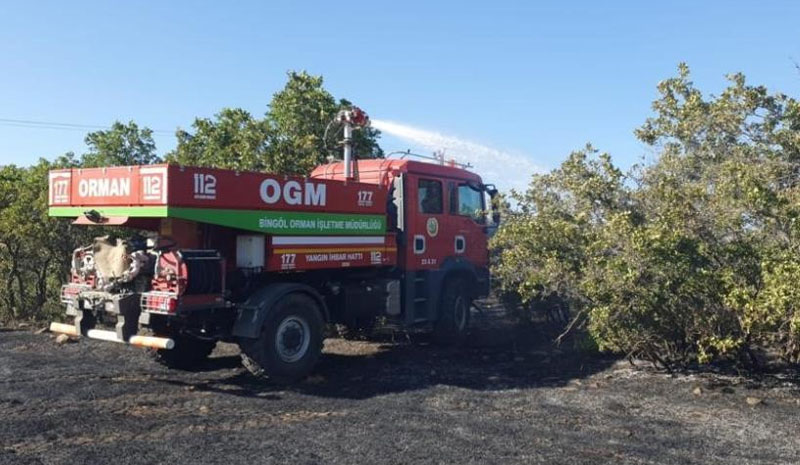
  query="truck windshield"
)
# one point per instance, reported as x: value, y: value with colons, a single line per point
x: 470, y: 202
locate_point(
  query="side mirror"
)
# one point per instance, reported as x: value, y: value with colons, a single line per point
x: 492, y: 191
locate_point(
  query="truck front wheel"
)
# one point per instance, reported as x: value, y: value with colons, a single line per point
x: 290, y: 341
x: 453, y: 324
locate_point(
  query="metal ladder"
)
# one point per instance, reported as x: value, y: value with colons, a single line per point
x: 420, y: 296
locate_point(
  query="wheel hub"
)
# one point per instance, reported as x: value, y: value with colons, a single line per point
x: 292, y: 339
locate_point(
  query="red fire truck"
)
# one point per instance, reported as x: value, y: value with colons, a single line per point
x: 268, y: 260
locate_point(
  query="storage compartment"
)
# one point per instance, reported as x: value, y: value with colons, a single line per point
x: 370, y: 299
x: 250, y: 251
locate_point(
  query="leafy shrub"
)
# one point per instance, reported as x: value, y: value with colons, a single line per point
x: 691, y: 258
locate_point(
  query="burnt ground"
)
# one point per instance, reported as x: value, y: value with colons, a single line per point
x: 509, y: 397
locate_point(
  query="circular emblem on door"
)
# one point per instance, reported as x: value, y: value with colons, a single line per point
x: 433, y: 227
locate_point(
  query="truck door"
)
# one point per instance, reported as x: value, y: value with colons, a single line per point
x: 467, y: 208
x: 428, y: 239
x: 426, y: 223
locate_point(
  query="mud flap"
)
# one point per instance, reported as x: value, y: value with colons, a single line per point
x: 128, y: 311
x: 255, y: 310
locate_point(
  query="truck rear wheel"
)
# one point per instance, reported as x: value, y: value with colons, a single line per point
x: 188, y: 353
x: 290, y: 342
x: 453, y: 324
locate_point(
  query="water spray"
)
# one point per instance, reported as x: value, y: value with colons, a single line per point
x: 508, y: 169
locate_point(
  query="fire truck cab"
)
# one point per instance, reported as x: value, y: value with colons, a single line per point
x: 437, y: 213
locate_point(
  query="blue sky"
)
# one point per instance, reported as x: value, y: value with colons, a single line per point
x: 526, y: 78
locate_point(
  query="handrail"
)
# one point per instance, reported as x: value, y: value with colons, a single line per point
x: 440, y: 160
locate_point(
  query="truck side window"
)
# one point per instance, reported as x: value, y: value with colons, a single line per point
x: 470, y: 203
x: 429, y: 195
x: 451, y: 188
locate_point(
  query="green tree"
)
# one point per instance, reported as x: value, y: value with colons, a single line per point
x: 696, y: 256
x: 544, y: 245
x: 123, y: 144
x: 232, y: 140
x: 289, y: 139
x: 299, y: 114
x: 724, y: 195
x: 35, y: 250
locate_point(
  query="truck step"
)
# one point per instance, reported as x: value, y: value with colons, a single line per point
x: 111, y: 336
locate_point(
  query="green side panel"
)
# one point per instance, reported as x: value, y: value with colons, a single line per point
x: 133, y: 212
x: 265, y: 221
x: 277, y: 222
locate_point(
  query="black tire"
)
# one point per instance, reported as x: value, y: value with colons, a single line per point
x: 290, y: 342
x: 187, y: 354
x: 452, y: 327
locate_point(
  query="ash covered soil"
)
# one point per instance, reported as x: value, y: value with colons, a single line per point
x: 509, y: 397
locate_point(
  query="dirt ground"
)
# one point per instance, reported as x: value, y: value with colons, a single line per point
x: 509, y: 397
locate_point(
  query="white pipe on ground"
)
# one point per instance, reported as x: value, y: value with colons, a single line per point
x: 63, y: 329
x: 111, y: 336
x: 102, y: 335
x: 152, y: 342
